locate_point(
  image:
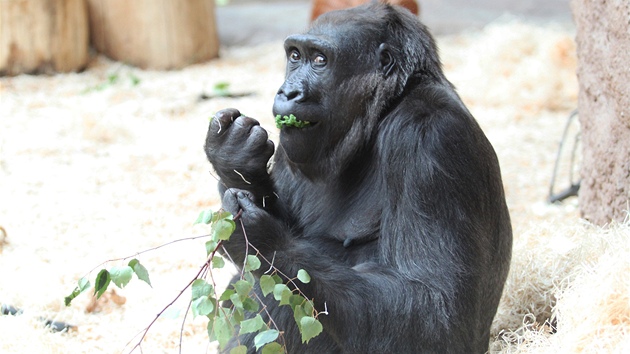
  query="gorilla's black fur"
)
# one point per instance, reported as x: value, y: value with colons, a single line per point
x: 391, y: 198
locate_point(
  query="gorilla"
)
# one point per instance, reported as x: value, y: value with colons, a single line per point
x: 388, y: 194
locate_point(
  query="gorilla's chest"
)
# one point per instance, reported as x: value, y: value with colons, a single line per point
x: 351, y: 221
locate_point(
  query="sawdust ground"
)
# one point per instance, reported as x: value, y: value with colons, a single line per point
x: 92, y: 171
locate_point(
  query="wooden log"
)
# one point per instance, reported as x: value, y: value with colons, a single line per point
x: 154, y: 34
x: 43, y: 36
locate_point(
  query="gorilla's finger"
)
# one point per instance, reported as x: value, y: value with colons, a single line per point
x: 257, y: 136
x: 246, y: 200
x: 223, y: 119
x: 230, y: 201
x: 245, y: 123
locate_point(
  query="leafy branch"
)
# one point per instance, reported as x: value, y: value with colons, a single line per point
x: 244, y: 314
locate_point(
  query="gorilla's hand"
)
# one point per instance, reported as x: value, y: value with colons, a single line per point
x: 238, y: 148
x: 260, y: 226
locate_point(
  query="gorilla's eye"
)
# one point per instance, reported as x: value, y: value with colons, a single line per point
x: 320, y: 59
x: 295, y: 55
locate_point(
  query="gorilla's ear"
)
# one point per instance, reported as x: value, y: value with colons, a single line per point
x: 386, y: 59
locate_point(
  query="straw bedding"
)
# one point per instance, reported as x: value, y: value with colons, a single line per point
x: 92, y: 170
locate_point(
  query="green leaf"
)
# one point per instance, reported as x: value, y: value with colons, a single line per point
x: 236, y: 301
x: 200, y: 288
x: 217, y: 262
x: 226, y: 294
x: 222, y: 215
x: 277, y: 279
x: 282, y: 293
x: 290, y: 121
x: 267, y: 284
x: 311, y: 327
x: 134, y: 80
x: 121, y: 275
x: 112, y: 78
x: 211, y: 335
x: 222, y: 329
x: 211, y: 246
x: 221, y: 88
x: 222, y: 85
x: 285, y: 300
x: 296, y: 300
x: 252, y: 263
x: 205, y: 217
x: 222, y: 229
x: 273, y: 348
x: 298, y: 314
x: 265, y: 337
x: 241, y: 349
x: 141, y: 272
x: 238, y: 316
x: 249, y: 277
x: 202, y: 306
x: 303, y: 276
x: 243, y: 288
x: 101, y: 283
x: 252, y: 325
x: 250, y: 305
x: 308, y: 307
x: 84, y: 284
x: 278, y: 289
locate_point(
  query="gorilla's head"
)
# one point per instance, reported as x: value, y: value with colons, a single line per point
x: 343, y: 75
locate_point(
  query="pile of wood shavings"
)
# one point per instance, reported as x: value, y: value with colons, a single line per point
x: 92, y: 170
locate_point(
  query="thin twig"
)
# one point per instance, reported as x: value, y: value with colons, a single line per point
x: 270, y: 318
x: 181, y: 331
x: 246, y: 246
x: 146, y: 329
x: 148, y: 250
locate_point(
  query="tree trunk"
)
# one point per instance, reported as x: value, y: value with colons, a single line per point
x: 603, y: 50
x: 154, y: 34
x: 43, y: 36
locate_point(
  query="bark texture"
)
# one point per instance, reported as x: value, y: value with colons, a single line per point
x: 603, y: 50
x: 154, y: 34
x: 43, y: 36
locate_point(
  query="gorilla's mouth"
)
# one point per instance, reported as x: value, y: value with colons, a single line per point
x: 292, y: 121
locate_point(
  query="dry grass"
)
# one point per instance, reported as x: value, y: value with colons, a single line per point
x: 91, y: 176
x: 571, y: 279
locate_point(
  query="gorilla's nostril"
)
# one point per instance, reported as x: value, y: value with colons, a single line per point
x: 291, y: 92
x: 292, y: 95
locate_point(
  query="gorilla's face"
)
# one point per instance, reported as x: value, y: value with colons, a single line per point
x: 330, y: 80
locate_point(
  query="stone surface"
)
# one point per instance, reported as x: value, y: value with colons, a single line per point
x: 603, y: 49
